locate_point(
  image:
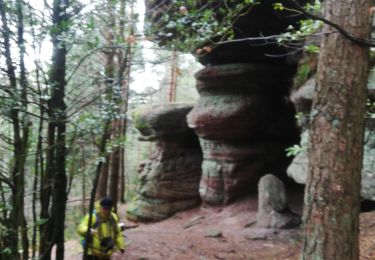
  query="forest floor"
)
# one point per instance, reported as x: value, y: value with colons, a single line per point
x: 205, y: 233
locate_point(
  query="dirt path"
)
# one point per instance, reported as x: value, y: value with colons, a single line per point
x: 220, y: 233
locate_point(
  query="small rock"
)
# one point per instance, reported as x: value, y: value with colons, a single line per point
x: 214, y: 233
x: 194, y: 221
x: 256, y: 236
x: 252, y: 223
x: 220, y: 256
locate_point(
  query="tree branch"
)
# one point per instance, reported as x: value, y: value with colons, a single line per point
x: 347, y: 35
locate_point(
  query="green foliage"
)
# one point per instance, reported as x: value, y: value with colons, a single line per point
x: 185, y: 25
x: 311, y: 48
x: 278, y: 6
x: 370, y: 107
x: 294, y: 150
x: 41, y: 221
x: 7, y: 251
x: 305, y: 28
x: 138, y: 122
x: 302, y: 74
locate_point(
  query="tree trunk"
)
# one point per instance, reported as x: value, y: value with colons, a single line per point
x: 102, y: 149
x: 173, y: 84
x: 123, y: 76
x: 115, y: 165
x: 58, y: 109
x: 53, y: 231
x: 25, y: 129
x: 83, y: 180
x: 17, y: 176
x: 332, y: 195
x: 101, y: 191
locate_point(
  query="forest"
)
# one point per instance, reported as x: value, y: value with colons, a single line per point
x: 167, y: 105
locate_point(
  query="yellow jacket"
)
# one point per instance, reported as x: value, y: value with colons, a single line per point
x: 100, y: 244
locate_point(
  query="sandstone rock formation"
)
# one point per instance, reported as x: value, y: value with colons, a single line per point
x: 169, y: 179
x: 298, y: 169
x: 244, y: 126
x: 243, y: 118
x: 273, y: 211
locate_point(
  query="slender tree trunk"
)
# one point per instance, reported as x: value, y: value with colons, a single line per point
x: 331, y: 213
x: 46, y: 181
x: 109, y: 68
x: 83, y: 181
x: 38, y: 171
x: 101, y: 191
x: 122, y: 169
x: 53, y: 232
x: 102, y: 148
x: 173, y: 85
x: 115, y: 165
x: 123, y: 76
x: 25, y: 129
x: 16, y: 174
x: 58, y: 109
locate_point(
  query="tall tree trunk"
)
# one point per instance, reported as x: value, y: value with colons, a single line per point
x: 46, y: 181
x: 109, y: 68
x: 58, y: 109
x: 101, y: 191
x: 39, y: 169
x: 331, y: 213
x: 25, y: 129
x: 53, y: 232
x: 16, y: 175
x: 123, y: 77
x: 102, y: 148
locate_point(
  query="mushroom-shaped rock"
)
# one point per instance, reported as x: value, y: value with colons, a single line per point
x: 244, y: 122
x: 169, y: 179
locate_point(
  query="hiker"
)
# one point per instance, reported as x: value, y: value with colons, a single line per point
x: 105, y: 233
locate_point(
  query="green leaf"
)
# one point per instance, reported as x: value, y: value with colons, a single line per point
x: 41, y: 221
x: 311, y: 48
x: 278, y: 6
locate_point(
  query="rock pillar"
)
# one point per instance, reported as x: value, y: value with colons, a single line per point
x: 244, y: 122
x: 170, y: 177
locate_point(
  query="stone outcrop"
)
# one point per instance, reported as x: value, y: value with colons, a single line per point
x: 298, y: 169
x: 169, y: 179
x: 273, y: 211
x: 244, y: 126
x: 243, y: 118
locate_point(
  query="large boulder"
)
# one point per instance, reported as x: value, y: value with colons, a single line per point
x: 273, y: 210
x: 298, y: 169
x: 169, y: 179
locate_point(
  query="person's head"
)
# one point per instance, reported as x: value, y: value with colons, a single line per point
x: 106, y: 205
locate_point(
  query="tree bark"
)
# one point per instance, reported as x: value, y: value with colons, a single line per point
x: 332, y: 195
x: 115, y: 165
x: 53, y: 231
x: 57, y: 80
x: 173, y: 84
x: 101, y: 191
